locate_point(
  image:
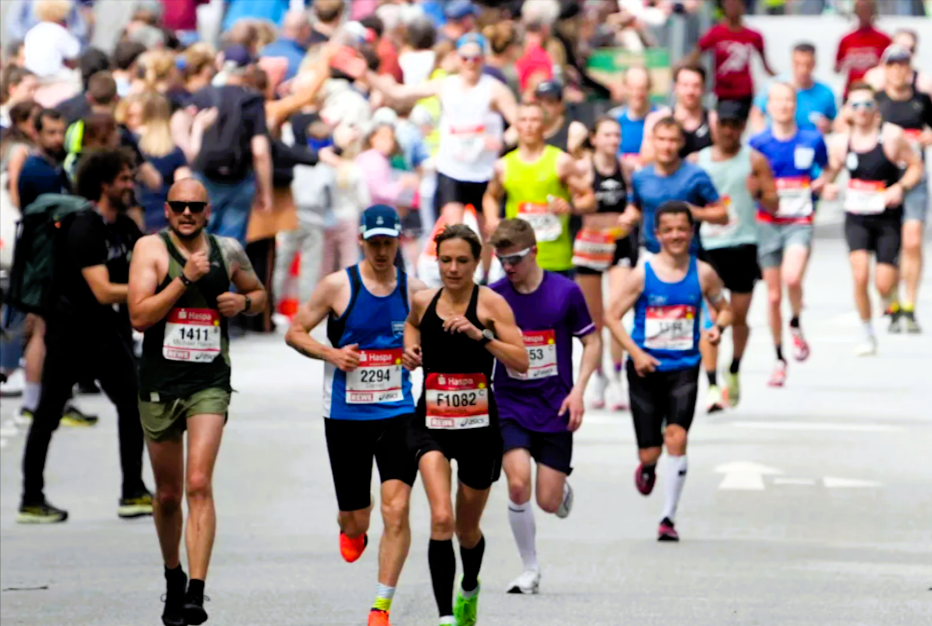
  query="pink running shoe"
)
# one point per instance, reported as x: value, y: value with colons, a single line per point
x: 778, y: 377
x: 800, y: 346
x: 644, y: 480
x: 666, y: 532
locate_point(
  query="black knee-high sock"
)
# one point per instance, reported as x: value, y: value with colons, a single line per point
x: 442, y: 561
x: 472, y: 562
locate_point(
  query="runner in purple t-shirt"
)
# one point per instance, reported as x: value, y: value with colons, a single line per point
x: 539, y: 410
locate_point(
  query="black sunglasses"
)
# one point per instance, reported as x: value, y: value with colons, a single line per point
x: 178, y: 206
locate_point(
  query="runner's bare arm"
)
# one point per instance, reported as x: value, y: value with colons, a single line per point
x: 766, y: 185
x: 146, y: 307
x: 647, y: 146
x: 508, y: 345
x: 412, y: 339
x: 312, y: 313
x: 714, y: 291
x: 630, y: 292
x: 243, y: 276
x: 591, y: 357
x: 415, y: 285
x: 492, y: 198
x: 903, y: 152
x: 582, y: 195
x: 714, y: 213
x: 503, y: 101
x: 399, y: 93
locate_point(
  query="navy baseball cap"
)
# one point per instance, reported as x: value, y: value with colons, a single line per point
x: 380, y: 219
x: 458, y: 9
x: 549, y: 89
x: 896, y: 54
x: 730, y: 111
x: 238, y: 55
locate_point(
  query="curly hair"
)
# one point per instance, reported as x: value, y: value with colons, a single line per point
x: 99, y: 168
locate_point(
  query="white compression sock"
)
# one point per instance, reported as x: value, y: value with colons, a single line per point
x: 673, y: 480
x: 521, y: 518
x: 31, y: 395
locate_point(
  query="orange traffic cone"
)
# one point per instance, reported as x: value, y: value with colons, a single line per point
x: 288, y: 302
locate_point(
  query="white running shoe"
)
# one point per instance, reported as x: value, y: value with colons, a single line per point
x: 598, y: 384
x: 868, y: 347
x: 566, y: 506
x: 527, y: 583
x: 14, y: 385
x: 618, y: 394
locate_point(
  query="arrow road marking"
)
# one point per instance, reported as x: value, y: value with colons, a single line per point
x: 832, y: 482
x: 744, y: 476
x: 793, y: 481
x: 874, y: 428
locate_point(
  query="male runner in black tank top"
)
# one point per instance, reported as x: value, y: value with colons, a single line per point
x: 873, y: 199
x: 179, y: 297
x: 455, y: 333
x: 911, y: 110
x: 696, y: 120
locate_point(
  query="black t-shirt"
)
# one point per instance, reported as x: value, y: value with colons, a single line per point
x: 86, y: 241
x: 250, y: 117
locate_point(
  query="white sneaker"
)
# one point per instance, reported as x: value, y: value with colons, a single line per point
x: 566, y: 506
x: 526, y: 583
x: 14, y: 385
x: 868, y: 347
x: 618, y: 394
x: 598, y: 384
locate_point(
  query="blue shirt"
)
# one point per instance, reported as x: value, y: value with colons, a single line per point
x: 288, y: 49
x: 632, y: 131
x: 798, y: 160
x: 271, y: 10
x: 153, y: 202
x: 666, y: 319
x: 817, y: 100
x: 690, y: 183
x: 39, y: 176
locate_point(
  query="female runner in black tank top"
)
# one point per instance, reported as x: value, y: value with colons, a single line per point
x: 602, y: 247
x: 456, y: 333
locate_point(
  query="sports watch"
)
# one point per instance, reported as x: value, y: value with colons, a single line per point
x: 487, y: 337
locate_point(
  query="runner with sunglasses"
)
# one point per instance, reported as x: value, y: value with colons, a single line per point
x: 874, y: 199
x: 456, y: 333
x: 539, y: 181
x: 179, y: 297
x: 540, y: 410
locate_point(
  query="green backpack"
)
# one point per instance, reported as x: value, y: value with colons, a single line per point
x: 34, y: 256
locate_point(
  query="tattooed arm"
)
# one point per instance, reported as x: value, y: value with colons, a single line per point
x: 251, y: 295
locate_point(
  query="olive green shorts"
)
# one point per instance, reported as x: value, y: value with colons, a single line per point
x: 167, y: 420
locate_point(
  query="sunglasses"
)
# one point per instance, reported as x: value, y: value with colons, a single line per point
x: 178, y: 206
x: 513, y: 259
x: 863, y: 104
x: 468, y: 58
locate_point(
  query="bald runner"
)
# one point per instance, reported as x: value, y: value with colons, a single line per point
x: 180, y: 298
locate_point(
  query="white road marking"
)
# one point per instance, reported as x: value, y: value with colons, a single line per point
x: 793, y: 481
x: 744, y: 476
x: 836, y: 426
x: 2, y: 443
x: 832, y: 482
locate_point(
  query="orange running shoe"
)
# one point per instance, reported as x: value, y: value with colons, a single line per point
x: 352, y: 549
x: 378, y: 618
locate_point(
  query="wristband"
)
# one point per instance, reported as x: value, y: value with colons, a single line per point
x: 248, y: 305
x: 187, y: 282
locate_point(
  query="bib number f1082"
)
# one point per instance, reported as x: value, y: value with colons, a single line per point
x: 456, y: 401
x: 192, y: 335
x: 377, y: 379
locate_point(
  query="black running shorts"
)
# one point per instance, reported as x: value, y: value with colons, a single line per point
x: 880, y: 234
x: 659, y: 399
x: 737, y: 267
x: 478, y: 451
x: 352, y: 444
x: 555, y: 450
x: 452, y: 190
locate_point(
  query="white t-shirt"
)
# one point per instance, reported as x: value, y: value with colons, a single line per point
x: 47, y: 46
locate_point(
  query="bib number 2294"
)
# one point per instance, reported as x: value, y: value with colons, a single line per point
x: 377, y: 379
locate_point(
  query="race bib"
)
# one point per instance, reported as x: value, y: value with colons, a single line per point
x: 456, y: 401
x: 912, y: 136
x: 795, y: 197
x: 721, y: 230
x: 377, y: 379
x: 865, y: 197
x: 546, y: 225
x: 595, y: 248
x: 541, y: 348
x: 192, y: 335
x: 670, y: 327
x: 468, y: 141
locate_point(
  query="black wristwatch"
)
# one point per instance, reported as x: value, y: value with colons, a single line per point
x: 248, y: 304
x: 187, y: 282
x: 721, y: 329
x: 487, y: 337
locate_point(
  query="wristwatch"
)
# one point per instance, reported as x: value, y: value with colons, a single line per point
x: 248, y: 305
x: 721, y: 329
x: 187, y: 282
x: 487, y: 337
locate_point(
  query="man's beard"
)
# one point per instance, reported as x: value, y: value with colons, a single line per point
x: 57, y: 155
x: 185, y: 237
x: 121, y: 202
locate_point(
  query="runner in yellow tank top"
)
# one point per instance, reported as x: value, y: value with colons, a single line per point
x: 539, y: 181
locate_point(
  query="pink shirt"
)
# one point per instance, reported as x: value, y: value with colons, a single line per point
x: 362, y: 8
x: 377, y: 169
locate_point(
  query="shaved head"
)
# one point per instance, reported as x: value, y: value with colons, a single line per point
x: 637, y: 75
x: 188, y: 189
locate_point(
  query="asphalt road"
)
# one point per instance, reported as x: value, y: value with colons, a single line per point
x: 808, y: 505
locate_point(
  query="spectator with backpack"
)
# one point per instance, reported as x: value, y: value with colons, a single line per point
x: 71, y: 262
x: 234, y: 159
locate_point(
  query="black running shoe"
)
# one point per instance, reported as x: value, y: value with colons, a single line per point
x: 173, y: 615
x: 895, y: 323
x: 43, y: 513
x: 194, y: 612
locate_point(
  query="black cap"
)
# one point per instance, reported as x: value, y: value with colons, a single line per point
x: 730, y: 111
x: 549, y: 89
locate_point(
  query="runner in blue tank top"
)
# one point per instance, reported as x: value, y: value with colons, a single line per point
x: 633, y: 115
x: 667, y: 292
x: 367, y: 392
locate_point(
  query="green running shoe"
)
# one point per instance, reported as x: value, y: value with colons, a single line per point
x: 466, y: 610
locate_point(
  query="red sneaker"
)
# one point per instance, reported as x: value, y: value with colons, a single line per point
x: 778, y: 376
x: 352, y: 549
x: 643, y: 480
